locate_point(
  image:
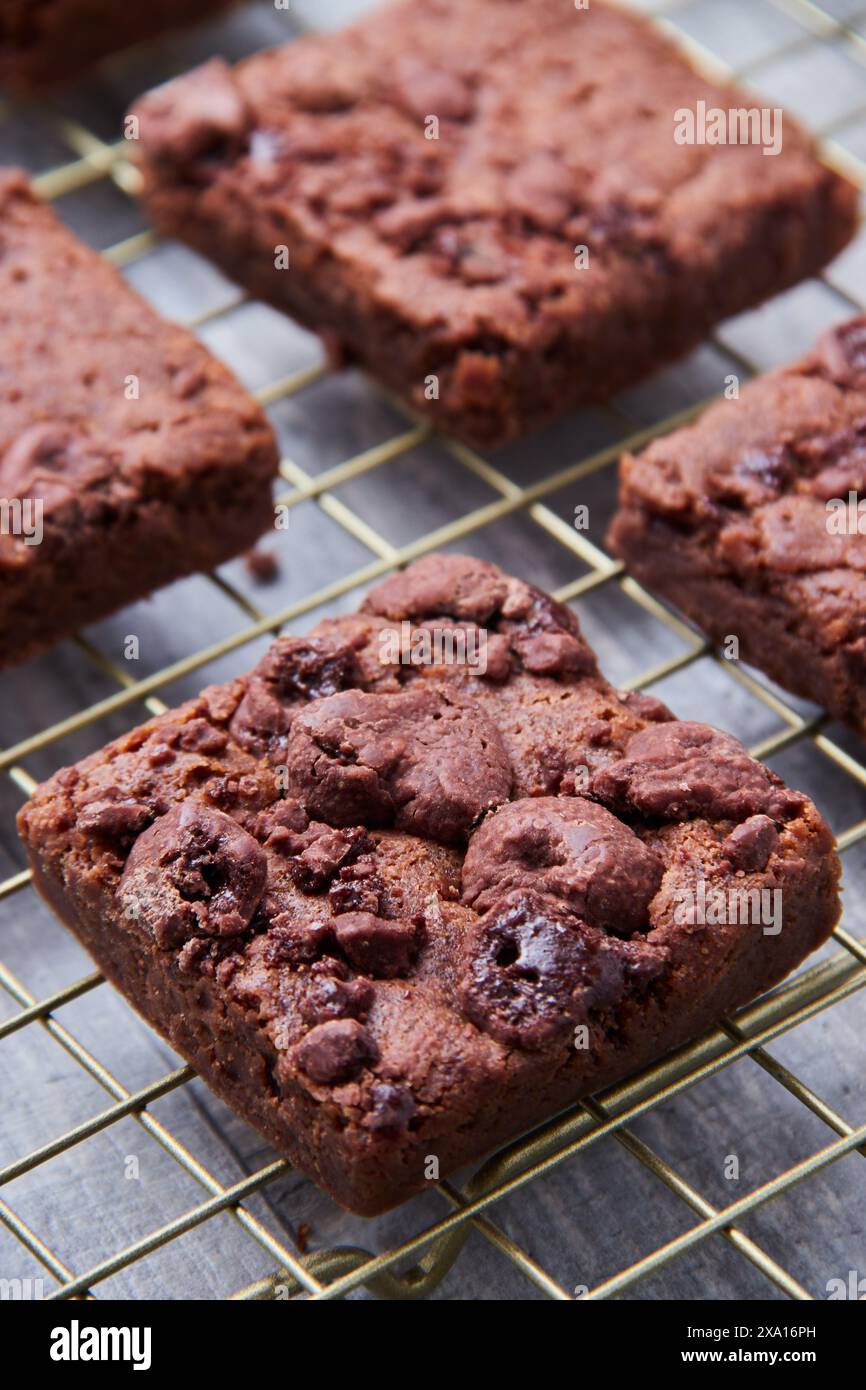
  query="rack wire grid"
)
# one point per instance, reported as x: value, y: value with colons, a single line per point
x: 146, y: 1186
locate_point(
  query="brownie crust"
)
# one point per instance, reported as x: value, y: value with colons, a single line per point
x: 753, y: 522
x: 147, y: 459
x: 44, y: 43
x: 452, y: 266
x: 459, y: 913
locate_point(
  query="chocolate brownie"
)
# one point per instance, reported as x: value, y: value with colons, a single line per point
x: 46, y: 42
x: 753, y: 522
x: 550, y: 245
x: 128, y: 456
x: 396, y: 911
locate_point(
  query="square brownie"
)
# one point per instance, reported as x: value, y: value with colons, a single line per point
x: 753, y: 522
x: 47, y: 42
x: 397, y: 906
x: 129, y: 456
x: 484, y: 201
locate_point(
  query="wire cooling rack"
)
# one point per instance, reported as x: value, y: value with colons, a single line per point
x: 413, y: 1265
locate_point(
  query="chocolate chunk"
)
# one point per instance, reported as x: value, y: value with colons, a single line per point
x: 45, y: 455
x: 429, y: 91
x: 553, y: 654
x: 497, y: 652
x: 328, y: 996
x: 200, y: 117
x: 199, y: 736
x: 262, y: 565
x: 535, y: 970
x: 336, y: 1051
x: 309, y: 668
x: 261, y: 719
x: 391, y: 1108
x: 324, y: 852
x: 358, y: 889
x: 379, y: 946
x: 419, y: 759
x: 649, y: 707
x: 843, y: 351
x: 114, y: 816
x: 538, y: 189
x: 456, y: 586
x: 544, y: 634
x: 293, y: 939
x: 194, y: 871
x: 293, y: 670
x: 536, y: 611
x: 685, y: 769
x: 281, y: 824
x: 328, y: 82
x: 568, y: 849
x: 758, y: 476
x: 750, y: 845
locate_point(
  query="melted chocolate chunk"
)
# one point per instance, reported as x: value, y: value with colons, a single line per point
x: 321, y: 852
x: 544, y: 634
x: 649, y: 707
x: 295, y: 940
x: 358, y: 888
x: 198, y: 121
x: 567, y: 849
x: 295, y: 669
x: 843, y: 351
x: 535, y: 970
x: 194, y: 871
x: 684, y: 769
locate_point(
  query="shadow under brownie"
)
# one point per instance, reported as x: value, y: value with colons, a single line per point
x: 397, y: 907
x: 129, y: 456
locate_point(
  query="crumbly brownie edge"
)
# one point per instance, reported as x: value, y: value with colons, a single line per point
x: 727, y: 519
x: 490, y: 394
x: 98, y: 567
x: 121, y: 518
x: 773, y: 636
x: 225, y: 1047
x: 488, y: 1090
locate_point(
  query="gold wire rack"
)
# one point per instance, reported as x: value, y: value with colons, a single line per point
x: 335, y: 1272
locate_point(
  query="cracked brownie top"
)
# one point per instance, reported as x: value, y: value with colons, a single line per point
x: 456, y: 155
x: 409, y: 873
